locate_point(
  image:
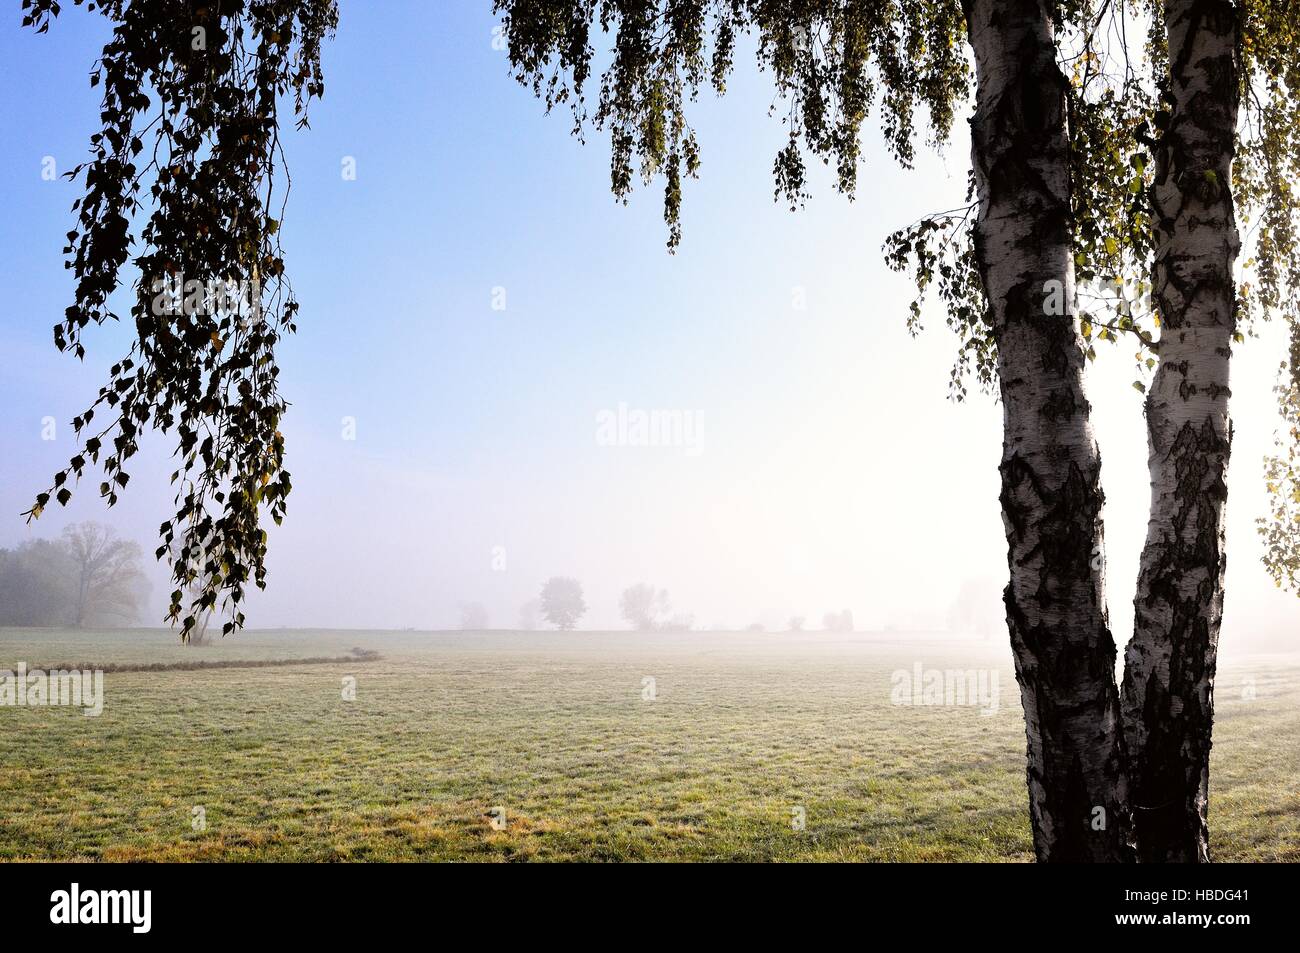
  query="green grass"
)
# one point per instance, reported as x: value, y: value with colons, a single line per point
x: 553, y: 728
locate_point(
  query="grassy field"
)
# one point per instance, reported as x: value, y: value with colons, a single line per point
x: 744, y: 731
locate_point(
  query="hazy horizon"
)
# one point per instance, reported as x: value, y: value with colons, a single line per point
x: 448, y: 450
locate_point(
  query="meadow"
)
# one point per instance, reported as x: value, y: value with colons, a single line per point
x: 500, y: 746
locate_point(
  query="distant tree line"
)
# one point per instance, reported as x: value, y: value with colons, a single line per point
x: 644, y: 607
x: 87, y: 577
x: 561, y: 604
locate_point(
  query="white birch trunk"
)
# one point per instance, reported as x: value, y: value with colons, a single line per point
x: 1051, y: 467
x: 1168, y: 692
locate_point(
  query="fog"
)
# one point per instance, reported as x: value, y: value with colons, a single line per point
x: 501, y: 375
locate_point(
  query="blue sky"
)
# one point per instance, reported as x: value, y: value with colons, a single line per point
x: 833, y: 472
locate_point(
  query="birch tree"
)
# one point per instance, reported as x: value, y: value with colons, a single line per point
x: 1219, y: 54
x: 830, y: 60
x: 1170, y: 662
x: 1103, y: 137
x: 1051, y: 466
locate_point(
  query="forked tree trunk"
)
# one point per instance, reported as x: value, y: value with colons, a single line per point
x: 1168, y: 692
x: 1051, y: 467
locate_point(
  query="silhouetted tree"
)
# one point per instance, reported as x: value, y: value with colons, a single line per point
x: 107, y: 580
x: 644, y: 607
x: 562, y: 602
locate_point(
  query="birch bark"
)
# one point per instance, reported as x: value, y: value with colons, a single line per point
x: 1168, y: 690
x: 1051, y: 467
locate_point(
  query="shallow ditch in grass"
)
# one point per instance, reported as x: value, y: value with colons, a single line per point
x: 354, y: 655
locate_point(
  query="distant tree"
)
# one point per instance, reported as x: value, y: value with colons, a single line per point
x: 562, y: 602
x: 637, y: 606
x: 528, y: 614
x: 681, y: 622
x: 88, y: 576
x: 473, y: 617
x: 796, y: 623
x: 755, y: 627
x: 646, y: 608
x: 36, y: 584
x: 108, y: 584
x: 838, y: 621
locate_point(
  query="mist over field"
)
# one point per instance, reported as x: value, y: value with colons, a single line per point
x: 602, y: 550
x: 596, y: 746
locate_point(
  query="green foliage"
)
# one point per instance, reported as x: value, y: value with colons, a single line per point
x: 1268, y: 157
x: 186, y: 166
x: 939, y: 250
x: 1265, y: 180
x: 831, y: 62
x: 1281, y: 529
x: 1118, y: 113
x: 1115, y: 115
